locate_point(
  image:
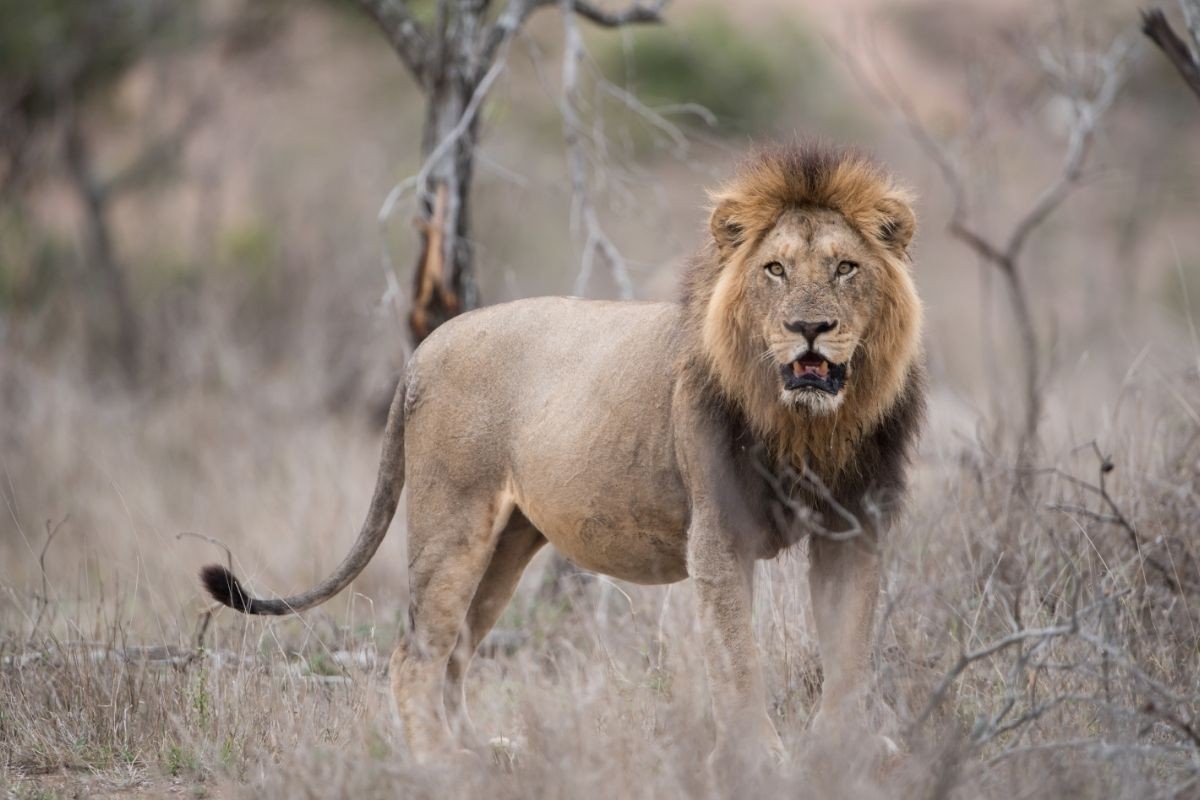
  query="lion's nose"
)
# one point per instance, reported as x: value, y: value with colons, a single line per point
x: 810, y: 330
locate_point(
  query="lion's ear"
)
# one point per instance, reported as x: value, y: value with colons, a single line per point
x: 898, y: 223
x: 726, y: 231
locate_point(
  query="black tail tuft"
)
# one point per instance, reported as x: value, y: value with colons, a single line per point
x: 225, y: 588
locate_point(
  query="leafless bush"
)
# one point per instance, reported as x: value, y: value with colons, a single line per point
x: 1088, y: 83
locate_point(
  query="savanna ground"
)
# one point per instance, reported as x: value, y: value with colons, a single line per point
x: 1038, y: 634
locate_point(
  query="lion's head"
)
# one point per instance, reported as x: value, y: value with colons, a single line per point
x: 804, y: 304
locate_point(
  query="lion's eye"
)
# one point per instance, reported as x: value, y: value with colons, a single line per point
x: 775, y: 268
x: 846, y: 268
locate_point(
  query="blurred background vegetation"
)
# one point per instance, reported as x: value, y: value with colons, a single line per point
x: 185, y: 180
x: 201, y: 313
x: 189, y: 191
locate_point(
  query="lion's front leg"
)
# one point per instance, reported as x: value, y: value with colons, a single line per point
x: 844, y: 581
x: 723, y: 579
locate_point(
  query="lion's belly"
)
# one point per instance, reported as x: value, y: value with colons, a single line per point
x: 624, y: 537
x: 608, y: 496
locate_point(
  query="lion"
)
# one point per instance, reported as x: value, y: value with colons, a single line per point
x: 776, y: 401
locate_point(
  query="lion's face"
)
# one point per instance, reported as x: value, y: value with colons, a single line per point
x: 816, y: 285
x: 805, y: 305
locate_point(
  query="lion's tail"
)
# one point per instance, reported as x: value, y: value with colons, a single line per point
x: 226, y: 588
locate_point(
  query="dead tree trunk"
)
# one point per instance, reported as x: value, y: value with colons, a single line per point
x: 449, y: 63
x: 444, y: 281
x: 115, y: 328
x: 455, y: 60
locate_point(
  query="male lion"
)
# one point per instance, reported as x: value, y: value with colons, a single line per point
x: 658, y: 441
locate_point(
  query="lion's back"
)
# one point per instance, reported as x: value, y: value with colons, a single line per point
x: 538, y: 346
x: 568, y: 402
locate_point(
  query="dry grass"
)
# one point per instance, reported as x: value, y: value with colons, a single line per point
x: 1026, y: 646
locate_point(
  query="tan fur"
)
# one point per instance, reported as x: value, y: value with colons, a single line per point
x: 616, y: 431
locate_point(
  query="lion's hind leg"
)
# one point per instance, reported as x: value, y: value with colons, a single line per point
x: 452, y: 536
x: 519, y: 542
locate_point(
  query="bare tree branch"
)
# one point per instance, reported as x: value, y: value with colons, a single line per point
x: 159, y: 153
x: 1099, y: 748
x: 1115, y: 517
x: 1191, y: 18
x: 1040, y: 637
x: 633, y: 13
x: 655, y: 118
x: 406, y: 36
x: 52, y: 530
x: 100, y: 251
x: 1090, y: 100
x: 1173, y: 719
x: 518, y: 11
x: 583, y: 211
x: 1088, y: 113
x: 468, y: 117
x: 784, y: 486
x: 1185, y: 58
x: 510, y: 21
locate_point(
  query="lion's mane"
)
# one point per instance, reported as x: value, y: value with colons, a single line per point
x: 884, y: 400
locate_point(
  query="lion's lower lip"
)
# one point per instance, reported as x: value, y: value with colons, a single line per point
x: 809, y: 383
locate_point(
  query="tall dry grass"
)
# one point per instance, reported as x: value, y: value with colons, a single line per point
x: 1037, y: 637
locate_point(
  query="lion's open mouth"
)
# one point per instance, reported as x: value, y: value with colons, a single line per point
x: 811, y: 371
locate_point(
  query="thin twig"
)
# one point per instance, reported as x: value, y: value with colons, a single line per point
x: 803, y: 513
x: 1116, y: 517
x: 1005, y: 254
x: 407, y: 37
x: 1019, y: 637
x: 518, y: 11
x: 1089, y: 110
x: 583, y: 211
x: 210, y: 540
x: 44, y: 601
